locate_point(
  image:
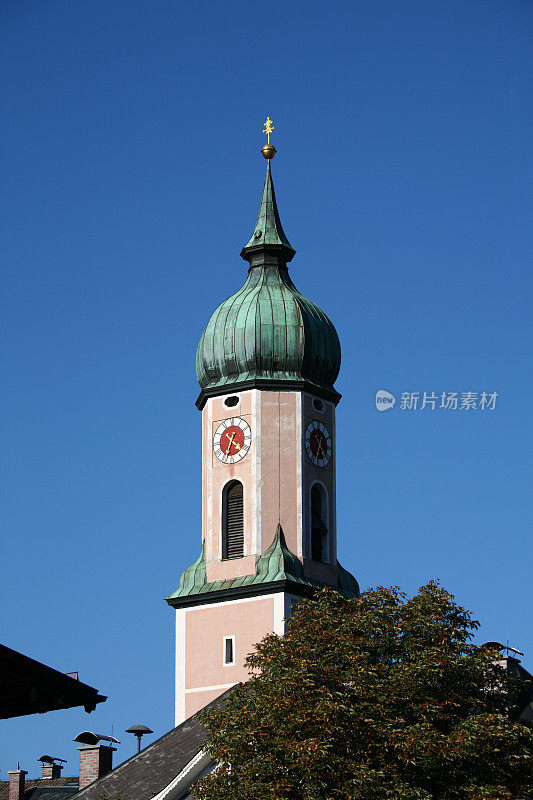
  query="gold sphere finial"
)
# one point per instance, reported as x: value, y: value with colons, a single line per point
x: 268, y: 150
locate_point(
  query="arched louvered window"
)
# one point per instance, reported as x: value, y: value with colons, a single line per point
x: 319, y: 524
x: 232, y: 521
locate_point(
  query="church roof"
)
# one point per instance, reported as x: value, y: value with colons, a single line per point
x: 276, y: 569
x: 268, y: 334
x: 166, y: 768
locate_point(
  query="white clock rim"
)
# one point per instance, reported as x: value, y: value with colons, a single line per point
x: 231, y: 459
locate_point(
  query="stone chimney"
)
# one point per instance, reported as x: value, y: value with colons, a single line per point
x: 52, y: 770
x: 95, y: 762
x: 17, y: 783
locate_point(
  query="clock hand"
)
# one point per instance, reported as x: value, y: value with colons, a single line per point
x: 230, y: 442
x: 320, y: 448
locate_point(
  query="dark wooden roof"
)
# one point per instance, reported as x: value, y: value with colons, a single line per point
x: 44, y: 789
x: 29, y: 687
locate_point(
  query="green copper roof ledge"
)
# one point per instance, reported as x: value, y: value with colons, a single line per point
x: 277, y: 564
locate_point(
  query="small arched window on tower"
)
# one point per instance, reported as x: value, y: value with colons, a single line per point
x: 232, y: 521
x: 319, y: 524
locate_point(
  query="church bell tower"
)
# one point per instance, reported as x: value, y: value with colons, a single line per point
x: 266, y: 364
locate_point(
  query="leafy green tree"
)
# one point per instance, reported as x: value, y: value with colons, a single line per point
x: 379, y: 697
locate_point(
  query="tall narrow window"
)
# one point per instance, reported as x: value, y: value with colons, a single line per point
x: 319, y: 524
x: 228, y: 651
x: 232, y: 521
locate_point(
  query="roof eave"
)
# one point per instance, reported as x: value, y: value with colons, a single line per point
x: 269, y: 384
x: 237, y: 592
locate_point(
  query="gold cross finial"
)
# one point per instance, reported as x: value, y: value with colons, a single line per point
x: 268, y: 150
x: 269, y: 127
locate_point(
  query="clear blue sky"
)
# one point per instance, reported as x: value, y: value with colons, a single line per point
x: 131, y: 179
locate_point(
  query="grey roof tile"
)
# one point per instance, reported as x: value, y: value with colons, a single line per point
x: 44, y: 788
x: 148, y: 772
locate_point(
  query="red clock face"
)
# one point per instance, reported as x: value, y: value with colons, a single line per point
x: 232, y: 440
x: 318, y: 443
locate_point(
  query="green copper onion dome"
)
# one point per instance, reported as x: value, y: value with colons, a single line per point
x: 268, y: 334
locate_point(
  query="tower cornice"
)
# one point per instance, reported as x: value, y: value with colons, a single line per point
x: 269, y: 385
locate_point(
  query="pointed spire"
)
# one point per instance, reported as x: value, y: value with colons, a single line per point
x: 268, y: 233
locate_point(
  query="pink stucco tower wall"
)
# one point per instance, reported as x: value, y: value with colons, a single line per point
x: 276, y: 475
x: 266, y: 364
